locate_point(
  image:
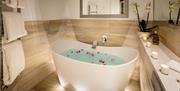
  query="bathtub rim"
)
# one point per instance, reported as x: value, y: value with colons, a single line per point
x: 106, y: 66
x: 111, y: 66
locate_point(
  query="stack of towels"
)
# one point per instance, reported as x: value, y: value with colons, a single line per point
x: 175, y: 66
x: 13, y: 53
x: 15, y: 3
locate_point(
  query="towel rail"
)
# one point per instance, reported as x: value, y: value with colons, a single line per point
x: 2, y: 86
x: 1, y: 54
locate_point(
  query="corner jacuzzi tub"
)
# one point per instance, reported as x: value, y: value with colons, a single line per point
x: 87, y: 69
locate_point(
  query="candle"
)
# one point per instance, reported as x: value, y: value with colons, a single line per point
x: 164, y: 69
x: 148, y: 44
x: 144, y: 38
x: 95, y: 42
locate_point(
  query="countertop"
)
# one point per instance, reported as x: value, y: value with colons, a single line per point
x: 165, y: 56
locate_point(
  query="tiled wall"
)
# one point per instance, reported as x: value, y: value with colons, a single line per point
x: 89, y: 30
x: 170, y: 36
x: 119, y: 33
x: 38, y: 58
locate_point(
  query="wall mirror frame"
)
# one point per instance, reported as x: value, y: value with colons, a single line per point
x: 121, y: 12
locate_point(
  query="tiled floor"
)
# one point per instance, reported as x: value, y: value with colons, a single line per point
x: 51, y: 83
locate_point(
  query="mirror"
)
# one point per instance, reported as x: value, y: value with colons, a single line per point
x: 104, y: 8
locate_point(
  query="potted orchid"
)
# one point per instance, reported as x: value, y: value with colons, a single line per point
x: 143, y: 23
x: 171, y: 9
x: 144, y: 31
x: 178, y: 3
x: 136, y: 5
x: 148, y: 10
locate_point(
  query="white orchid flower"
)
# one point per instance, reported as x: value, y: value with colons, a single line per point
x: 148, y: 7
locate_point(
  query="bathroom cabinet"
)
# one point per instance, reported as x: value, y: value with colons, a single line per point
x: 146, y: 84
x: 148, y: 77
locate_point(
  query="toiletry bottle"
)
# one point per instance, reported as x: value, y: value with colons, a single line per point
x: 155, y: 38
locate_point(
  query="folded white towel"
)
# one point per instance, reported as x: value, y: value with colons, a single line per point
x: 11, y: 3
x: 14, y: 27
x: 174, y: 65
x: 20, y: 4
x: 13, y: 61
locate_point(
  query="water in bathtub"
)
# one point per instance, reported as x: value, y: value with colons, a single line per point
x: 93, y: 57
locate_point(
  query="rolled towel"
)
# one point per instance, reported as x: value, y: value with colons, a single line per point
x: 13, y: 61
x: 11, y: 3
x: 174, y: 65
x: 14, y: 27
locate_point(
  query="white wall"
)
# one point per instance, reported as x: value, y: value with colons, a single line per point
x: 52, y: 9
x: 44, y: 9
x: 72, y: 9
x: 31, y: 10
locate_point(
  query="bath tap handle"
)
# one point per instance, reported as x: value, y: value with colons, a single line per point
x: 104, y: 38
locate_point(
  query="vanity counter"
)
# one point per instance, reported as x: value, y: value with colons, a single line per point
x: 159, y: 81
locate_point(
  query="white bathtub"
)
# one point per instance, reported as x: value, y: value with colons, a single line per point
x: 83, y: 76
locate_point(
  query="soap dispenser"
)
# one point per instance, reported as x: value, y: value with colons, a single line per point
x: 155, y: 38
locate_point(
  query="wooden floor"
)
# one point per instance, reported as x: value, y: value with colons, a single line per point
x: 51, y: 83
